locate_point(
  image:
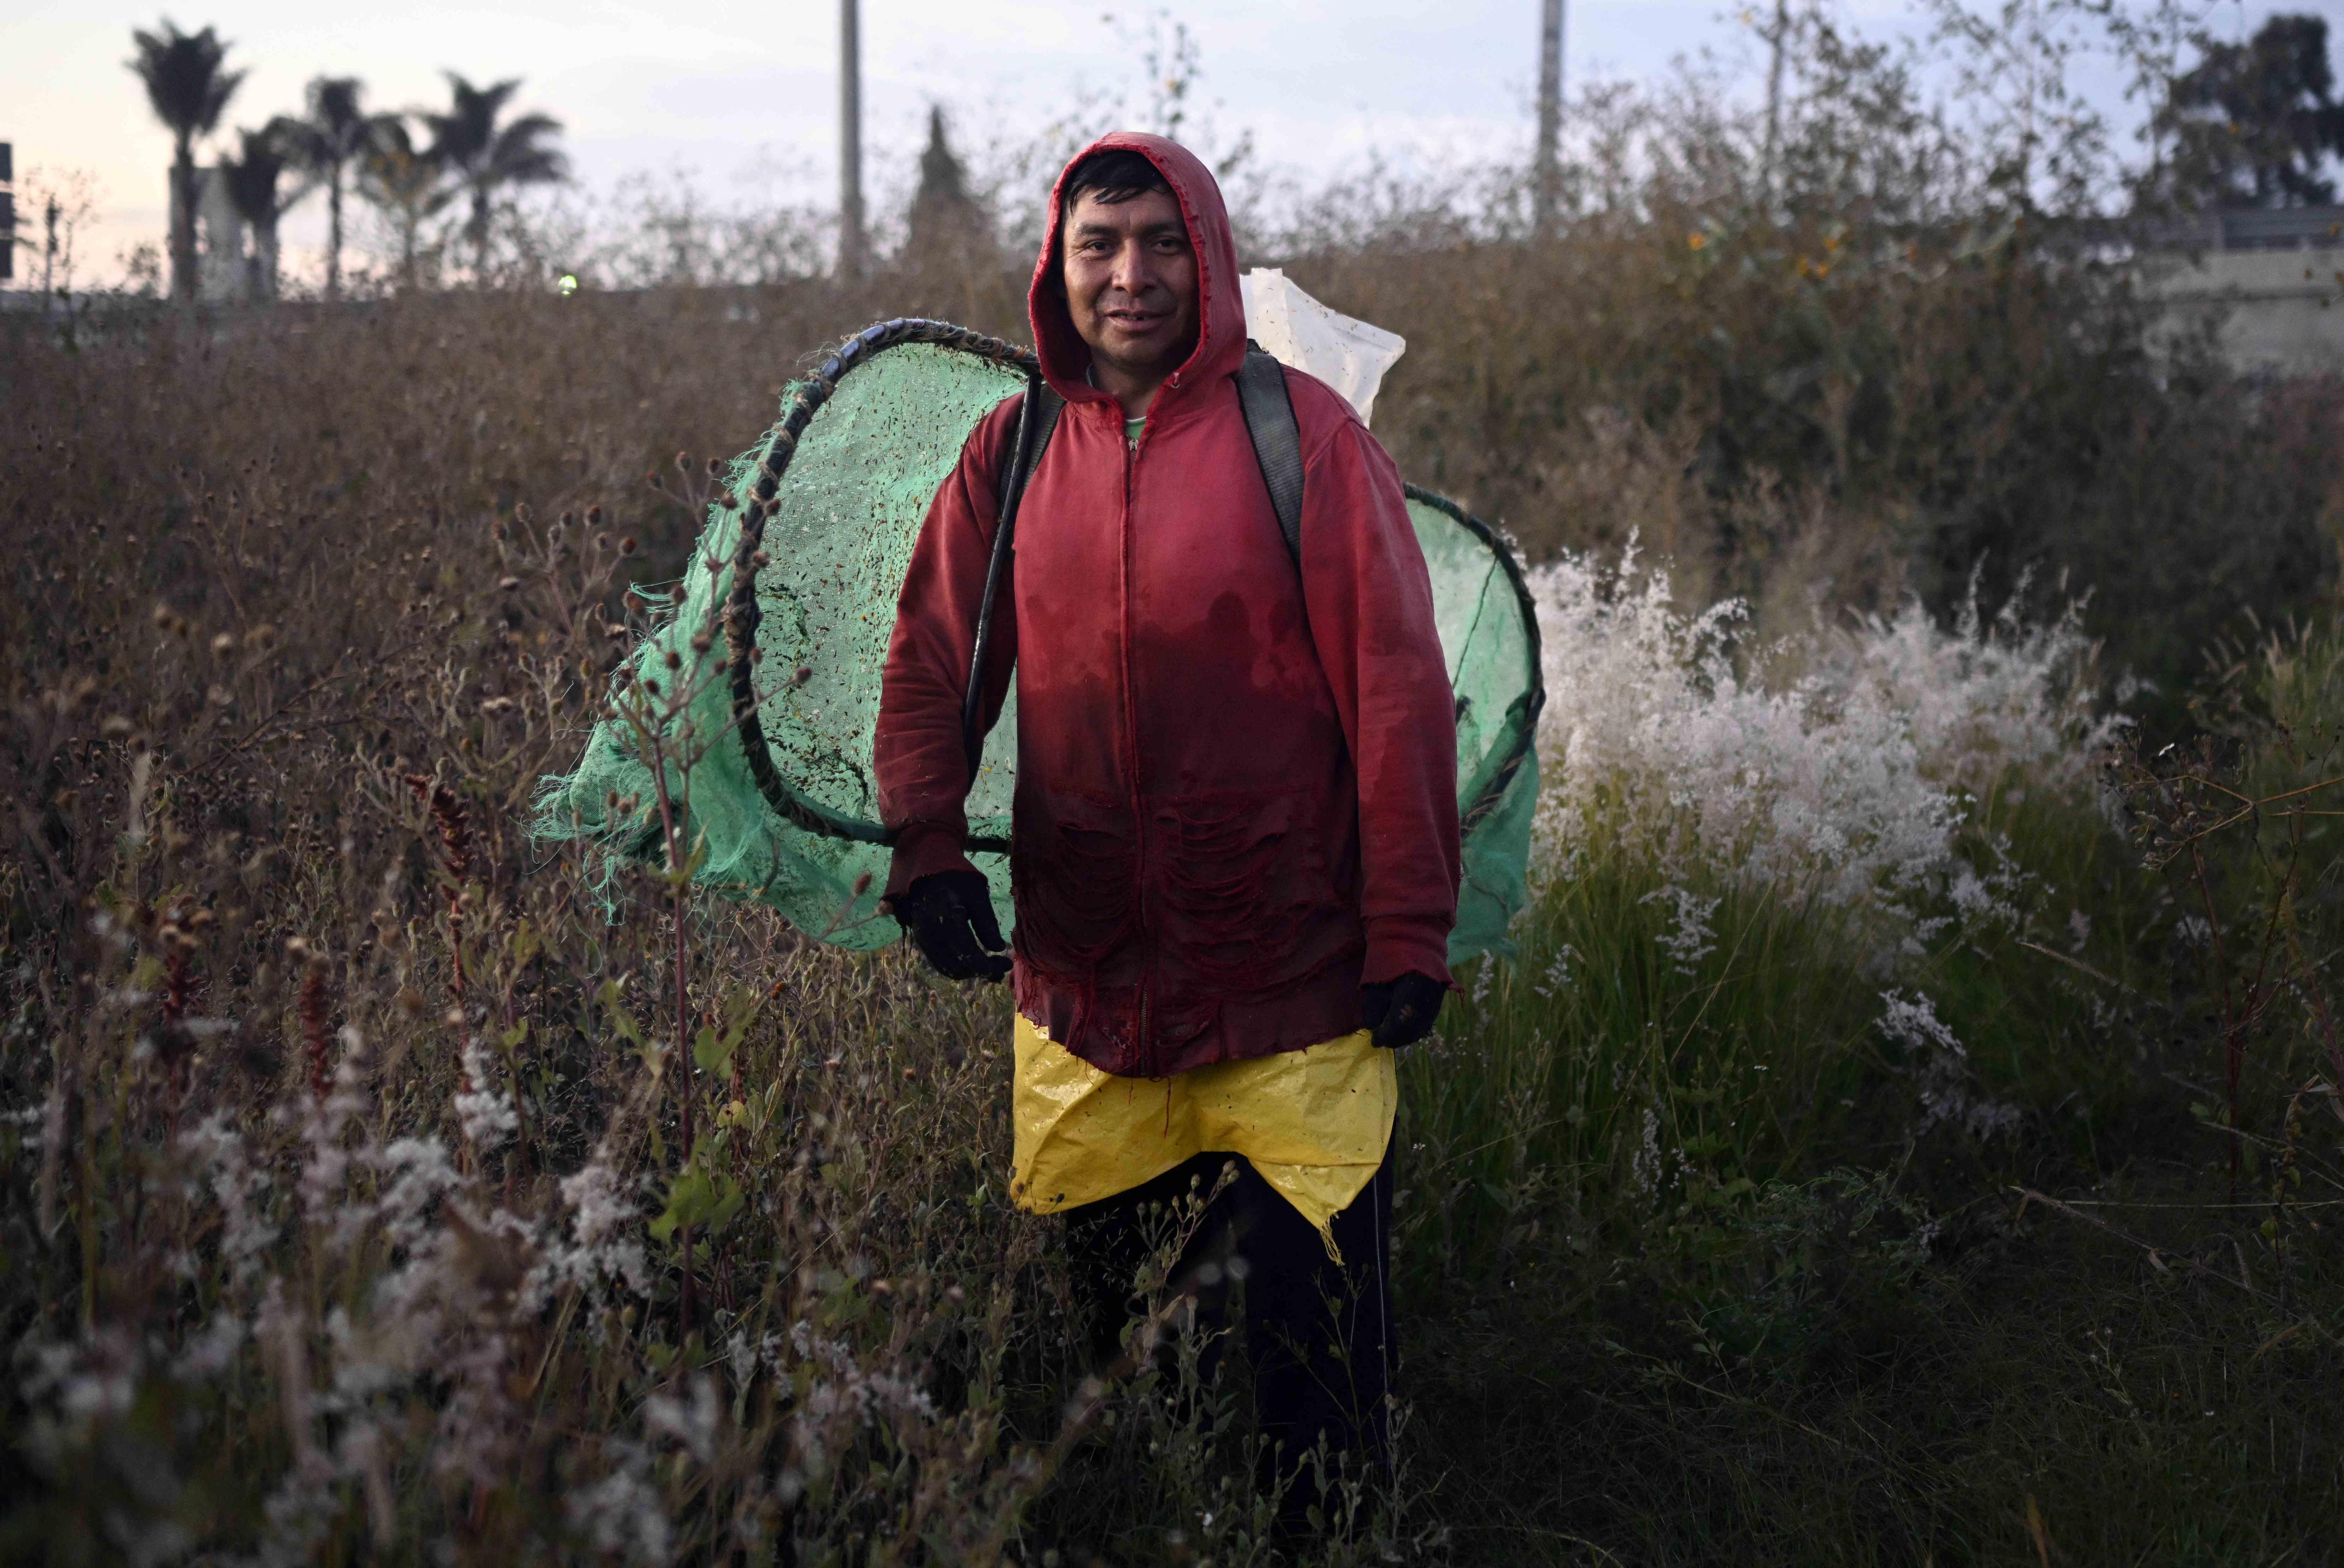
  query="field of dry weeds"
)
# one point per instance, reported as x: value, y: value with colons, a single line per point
x: 372, y: 1188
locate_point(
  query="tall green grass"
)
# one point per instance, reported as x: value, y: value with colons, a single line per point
x: 1599, y: 1083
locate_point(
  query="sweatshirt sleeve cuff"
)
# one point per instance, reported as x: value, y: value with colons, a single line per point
x: 921, y: 851
x: 1398, y: 944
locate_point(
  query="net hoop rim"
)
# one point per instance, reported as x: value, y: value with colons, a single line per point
x: 1532, y: 702
x: 741, y: 615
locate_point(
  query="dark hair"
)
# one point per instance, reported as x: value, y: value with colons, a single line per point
x: 1112, y: 178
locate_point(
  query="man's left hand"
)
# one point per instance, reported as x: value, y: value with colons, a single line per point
x: 1401, y: 1011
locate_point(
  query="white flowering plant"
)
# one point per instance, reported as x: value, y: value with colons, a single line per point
x: 1779, y: 884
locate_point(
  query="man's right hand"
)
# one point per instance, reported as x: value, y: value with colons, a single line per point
x: 949, y: 917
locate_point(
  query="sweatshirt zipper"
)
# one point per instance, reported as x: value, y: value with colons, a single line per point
x: 1131, y: 752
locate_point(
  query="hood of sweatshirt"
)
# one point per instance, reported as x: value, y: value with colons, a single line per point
x: 1220, y: 306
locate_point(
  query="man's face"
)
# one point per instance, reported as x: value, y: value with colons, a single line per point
x: 1131, y: 282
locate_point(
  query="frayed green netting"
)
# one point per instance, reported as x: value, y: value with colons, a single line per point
x: 1489, y: 632
x: 845, y: 516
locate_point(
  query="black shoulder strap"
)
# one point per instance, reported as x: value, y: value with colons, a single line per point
x: 1038, y: 417
x: 1013, y: 472
x: 1277, y: 440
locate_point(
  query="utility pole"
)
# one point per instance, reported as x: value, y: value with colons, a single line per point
x: 7, y: 211
x: 1776, y: 35
x: 850, y: 140
x: 1545, y: 172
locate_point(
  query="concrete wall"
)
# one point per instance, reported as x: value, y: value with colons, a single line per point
x: 2281, y: 311
x: 219, y: 239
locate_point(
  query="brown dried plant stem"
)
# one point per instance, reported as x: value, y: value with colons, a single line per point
x: 456, y: 858
x: 456, y: 861
x: 313, y: 1021
x: 178, y: 991
x: 678, y: 881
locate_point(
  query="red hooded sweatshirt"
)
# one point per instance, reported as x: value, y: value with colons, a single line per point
x: 1236, y: 785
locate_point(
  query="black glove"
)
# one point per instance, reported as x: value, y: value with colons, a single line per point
x: 1400, y: 1012
x: 949, y: 915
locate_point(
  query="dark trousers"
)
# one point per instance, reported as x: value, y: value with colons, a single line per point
x: 1318, y: 1336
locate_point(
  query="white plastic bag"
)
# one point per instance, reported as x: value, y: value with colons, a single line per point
x: 1349, y: 356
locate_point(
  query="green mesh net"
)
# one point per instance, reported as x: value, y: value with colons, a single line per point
x: 1488, y: 629
x: 762, y: 730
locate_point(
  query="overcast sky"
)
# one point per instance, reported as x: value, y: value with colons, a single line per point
x: 726, y: 86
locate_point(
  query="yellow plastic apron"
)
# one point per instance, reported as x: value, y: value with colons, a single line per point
x: 1315, y: 1122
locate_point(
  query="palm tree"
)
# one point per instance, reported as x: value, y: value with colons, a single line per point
x: 404, y: 180
x: 188, y: 90
x: 336, y: 133
x: 484, y: 157
x: 251, y: 182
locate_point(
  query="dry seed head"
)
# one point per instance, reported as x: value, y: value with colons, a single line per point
x: 674, y: 659
x: 803, y: 673
x: 684, y: 462
x: 508, y: 584
x: 260, y: 636
x: 715, y: 466
x: 594, y: 516
x: 223, y: 645
x: 568, y: 518
x: 627, y: 544
x: 701, y: 642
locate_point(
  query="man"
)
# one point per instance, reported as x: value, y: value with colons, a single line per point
x: 1234, y: 840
